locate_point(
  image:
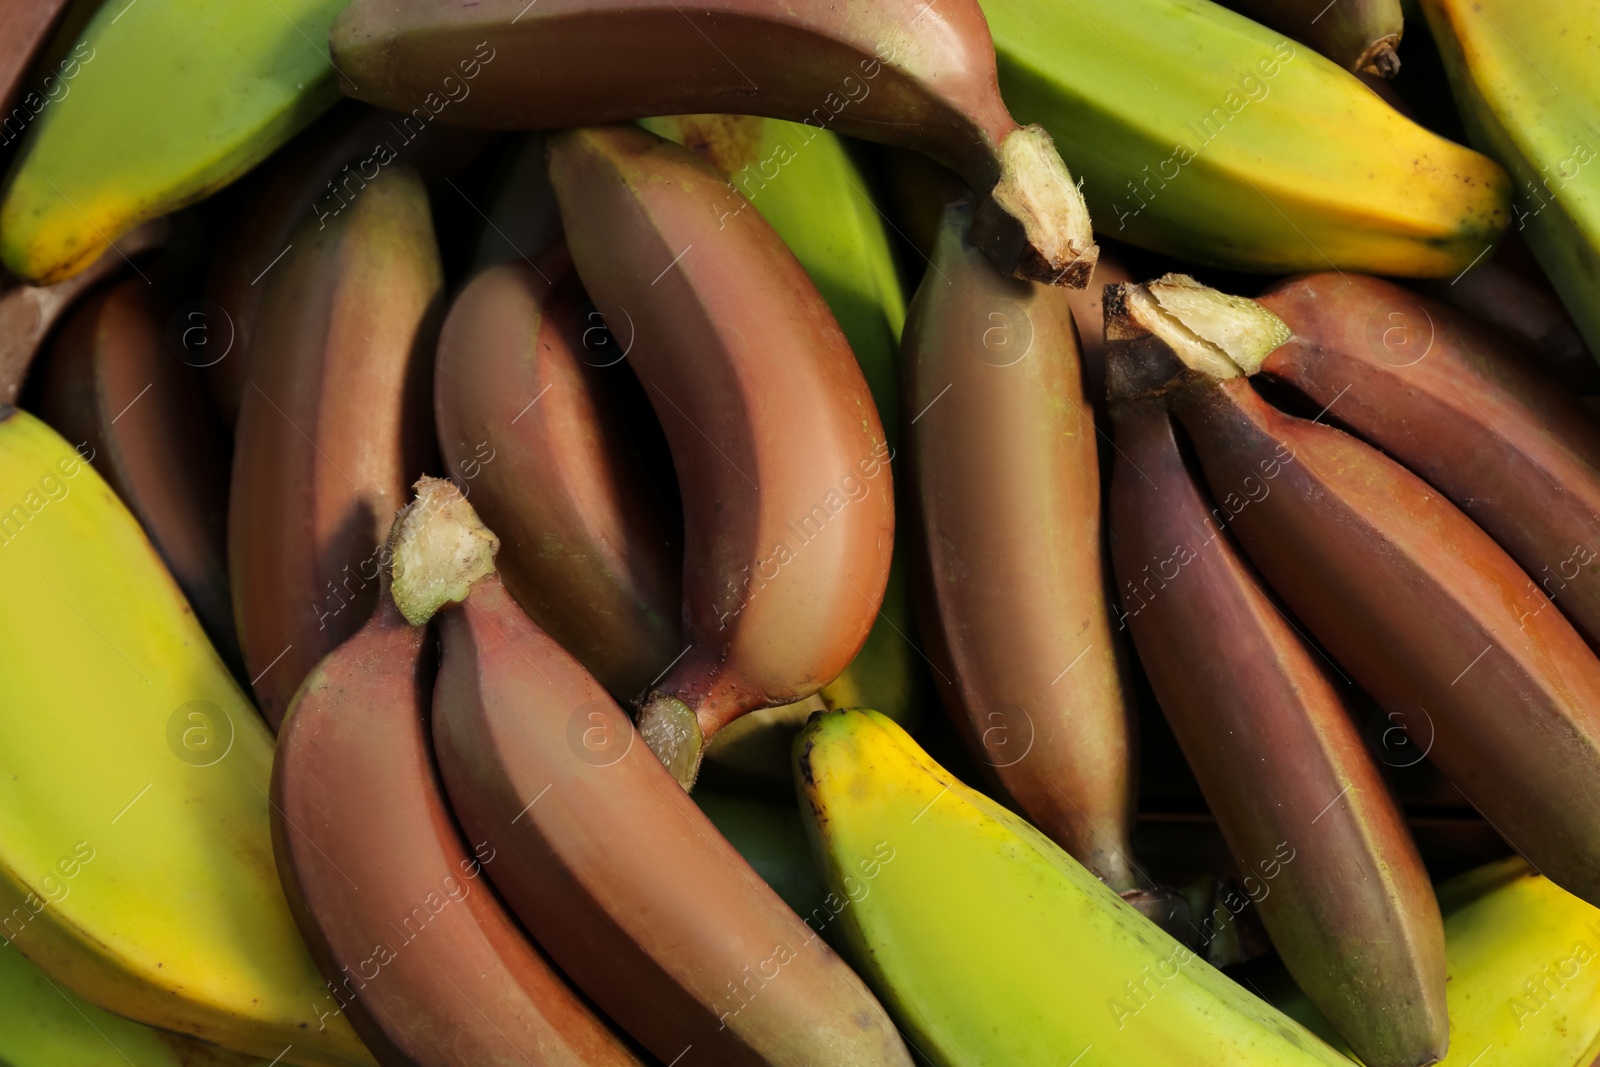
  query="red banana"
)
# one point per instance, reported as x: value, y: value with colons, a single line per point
x: 1450, y: 399
x: 1322, y: 847
x: 788, y: 524
x: 1008, y: 483
x: 905, y: 72
x: 606, y: 861
x: 532, y: 403
x: 113, y: 382
x: 380, y: 881
x: 334, y: 426
x: 1403, y: 589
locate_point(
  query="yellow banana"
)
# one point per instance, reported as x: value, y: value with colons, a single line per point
x: 166, y: 102
x: 803, y: 181
x: 1526, y: 78
x: 135, y: 853
x: 1200, y: 133
x: 1524, y: 972
x: 988, y: 943
x: 44, y: 1025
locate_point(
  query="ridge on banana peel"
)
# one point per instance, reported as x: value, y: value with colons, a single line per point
x: 43, y: 1025
x: 173, y: 100
x: 805, y: 183
x: 135, y: 857
x: 988, y: 943
x: 1525, y: 79
x: 1199, y: 133
x: 1524, y: 963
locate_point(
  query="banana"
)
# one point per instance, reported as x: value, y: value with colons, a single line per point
x: 25, y: 26
x: 43, y: 1025
x: 805, y: 184
x: 1524, y: 985
x: 1525, y: 81
x: 1453, y: 402
x: 1359, y: 35
x: 605, y: 860
x: 172, y: 100
x: 788, y: 529
x: 135, y: 858
x: 536, y: 412
x: 1405, y: 592
x: 379, y: 878
x: 29, y: 312
x: 1008, y: 483
x: 1258, y: 717
x: 993, y: 946
x: 1508, y: 291
x: 112, y: 383
x: 1201, y: 134
x: 333, y: 426
x: 317, y: 175
x: 905, y: 72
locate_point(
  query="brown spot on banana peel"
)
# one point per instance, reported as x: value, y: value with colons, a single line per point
x: 426, y: 960
x: 1410, y: 596
x: 335, y: 424
x: 1257, y: 715
x: 787, y: 534
x: 901, y: 72
x: 608, y: 863
x: 1459, y: 406
x: 1007, y: 480
x: 549, y: 446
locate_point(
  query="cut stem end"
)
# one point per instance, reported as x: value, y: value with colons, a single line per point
x: 1034, y: 223
x: 439, y: 548
x: 672, y: 731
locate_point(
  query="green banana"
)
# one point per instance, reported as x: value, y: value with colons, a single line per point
x: 43, y: 1025
x: 1525, y: 78
x: 135, y: 854
x: 1201, y: 134
x: 804, y: 182
x: 172, y: 100
x: 988, y: 943
x: 1524, y: 965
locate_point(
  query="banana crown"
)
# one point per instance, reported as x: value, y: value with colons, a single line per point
x: 440, y: 548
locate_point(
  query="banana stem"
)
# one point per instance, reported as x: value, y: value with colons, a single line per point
x: 440, y: 548
x: 1212, y: 334
x: 672, y: 731
x: 1034, y: 223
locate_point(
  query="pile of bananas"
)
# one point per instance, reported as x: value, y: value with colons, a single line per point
x: 451, y: 454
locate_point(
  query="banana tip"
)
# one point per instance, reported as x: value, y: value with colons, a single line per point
x: 671, y: 729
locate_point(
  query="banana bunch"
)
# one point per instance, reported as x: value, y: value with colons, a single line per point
x: 1407, y: 585
x: 711, y: 489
